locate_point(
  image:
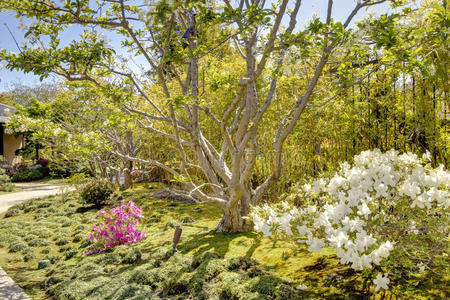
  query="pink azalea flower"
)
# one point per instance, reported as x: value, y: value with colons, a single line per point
x: 117, y: 226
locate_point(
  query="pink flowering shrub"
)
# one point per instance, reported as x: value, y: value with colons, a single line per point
x: 117, y: 226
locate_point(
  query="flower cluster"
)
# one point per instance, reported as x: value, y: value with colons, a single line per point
x: 357, y: 204
x: 117, y: 226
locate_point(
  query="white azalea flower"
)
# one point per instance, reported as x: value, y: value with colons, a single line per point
x: 364, y: 210
x: 421, y: 267
x: 303, y: 230
x: 381, y: 282
x: 315, y: 244
x: 339, y: 239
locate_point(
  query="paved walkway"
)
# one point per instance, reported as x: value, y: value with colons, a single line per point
x: 9, y: 290
x: 30, y: 191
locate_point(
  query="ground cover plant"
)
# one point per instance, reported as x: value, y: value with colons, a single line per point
x: 43, y: 240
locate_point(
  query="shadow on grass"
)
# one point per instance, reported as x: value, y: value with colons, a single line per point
x: 83, y: 209
x: 218, y: 242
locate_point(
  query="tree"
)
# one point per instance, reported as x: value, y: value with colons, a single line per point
x: 175, y: 38
x: 79, y: 128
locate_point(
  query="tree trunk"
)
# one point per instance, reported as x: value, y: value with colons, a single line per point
x: 128, y: 180
x: 117, y: 177
x: 38, y: 154
x: 233, y: 221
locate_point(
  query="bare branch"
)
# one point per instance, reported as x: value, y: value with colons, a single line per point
x: 145, y: 161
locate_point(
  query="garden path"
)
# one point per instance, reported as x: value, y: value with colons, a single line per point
x: 30, y: 191
x: 9, y: 290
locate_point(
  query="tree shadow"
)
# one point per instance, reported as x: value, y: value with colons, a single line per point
x: 218, y: 242
x: 83, y: 209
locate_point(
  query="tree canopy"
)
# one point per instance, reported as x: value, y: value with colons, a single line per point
x: 233, y: 86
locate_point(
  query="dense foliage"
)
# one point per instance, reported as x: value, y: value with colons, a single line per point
x: 35, y: 173
x: 5, y: 182
x: 97, y: 191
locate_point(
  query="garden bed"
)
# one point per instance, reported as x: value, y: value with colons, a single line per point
x: 207, y: 265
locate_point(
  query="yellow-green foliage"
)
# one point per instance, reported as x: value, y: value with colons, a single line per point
x: 207, y: 265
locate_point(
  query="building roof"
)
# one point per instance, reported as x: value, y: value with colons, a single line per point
x: 5, y: 112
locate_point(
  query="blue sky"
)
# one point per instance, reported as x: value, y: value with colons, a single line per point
x: 8, y: 78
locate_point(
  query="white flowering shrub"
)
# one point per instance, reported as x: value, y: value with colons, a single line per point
x: 388, y: 211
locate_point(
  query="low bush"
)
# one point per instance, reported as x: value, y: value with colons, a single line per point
x: 17, y: 247
x: 133, y: 256
x: 30, y: 175
x: 117, y: 226
x: 12, y: 212
x: 37, y: 243
x: 28, y: 255
x: 78, y: 238
x: 71, y: 253
x: 97, y: 191
x: 62, y: 240
x: 5, y: 182
x: 109, y: 258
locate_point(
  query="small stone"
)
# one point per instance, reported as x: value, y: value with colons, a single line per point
x: 45, y: 263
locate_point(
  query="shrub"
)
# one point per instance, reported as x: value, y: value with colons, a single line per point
x: 52, y: 258
x: 12, y: 212
x: 17, y: 246
x: 71, y: 253
x: 28, y: 255
x: 62, y: 240
x: 117, y: 226
x: 364, y: 211
x: 46, y: 251
x: 65, y: 248
x: 37, y: 243
x: 42, y: 233
x: 30, y: 175
x: 109, y: 258
x: 30, y: 237
x: 97, y: 191
x: 241, y: 263
x: 5, y: 182
x: 43, y: 162
x: 133, y: 256
x: 142, y: 277
x: 78, y: 238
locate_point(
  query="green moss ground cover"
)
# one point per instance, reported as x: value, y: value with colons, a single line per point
x: 207, y: 265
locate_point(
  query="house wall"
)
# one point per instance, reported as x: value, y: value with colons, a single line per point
x: 10, y: 145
